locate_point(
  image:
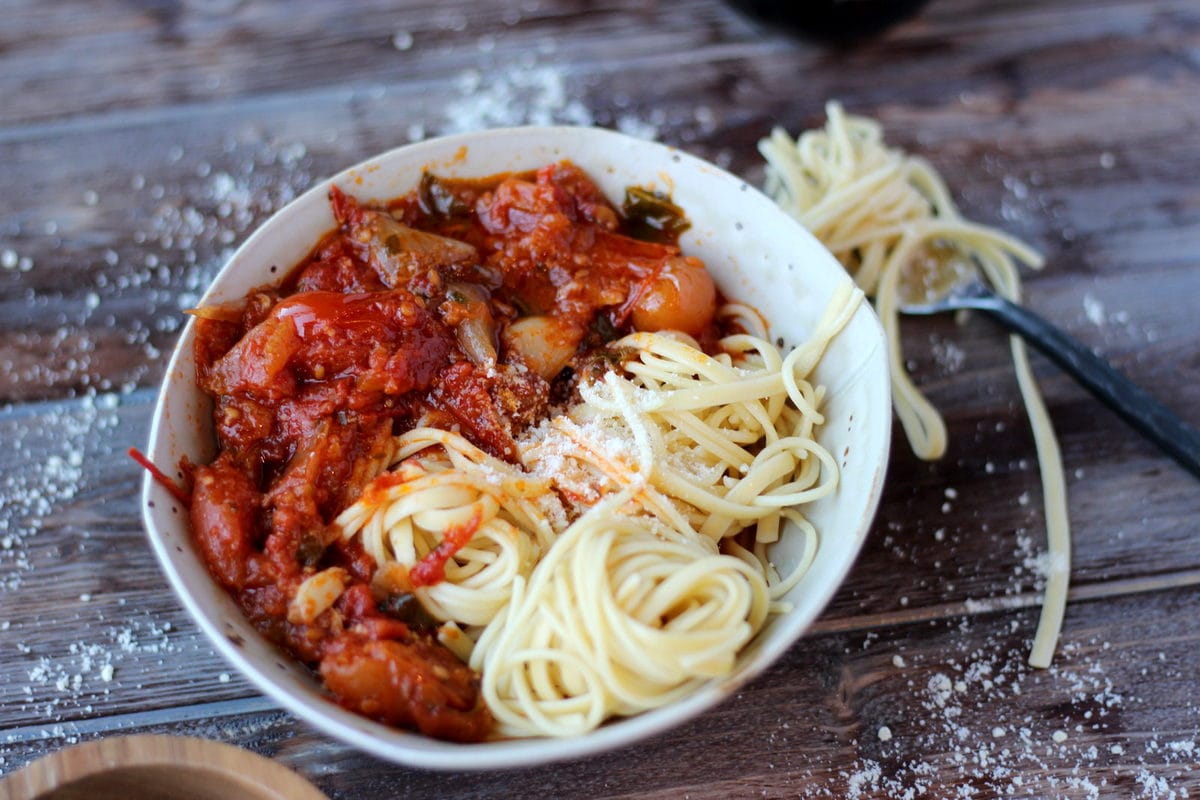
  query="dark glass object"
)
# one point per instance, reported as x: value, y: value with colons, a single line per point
x: 838, y: 20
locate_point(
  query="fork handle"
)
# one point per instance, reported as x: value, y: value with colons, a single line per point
x: 1132, y: 403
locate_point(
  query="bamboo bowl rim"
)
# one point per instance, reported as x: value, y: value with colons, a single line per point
x: 150, y: 767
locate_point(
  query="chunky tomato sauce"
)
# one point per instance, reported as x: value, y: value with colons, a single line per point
x: 466, y: 305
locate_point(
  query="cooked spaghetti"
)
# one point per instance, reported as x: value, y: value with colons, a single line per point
x: 889, y: 219
x: 451, y: 487
x: 620, y: 616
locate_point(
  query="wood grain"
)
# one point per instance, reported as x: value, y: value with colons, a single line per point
x: 143, y: 141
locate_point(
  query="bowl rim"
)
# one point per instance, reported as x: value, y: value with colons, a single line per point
x: 64, y: 769
x: 414, y: 749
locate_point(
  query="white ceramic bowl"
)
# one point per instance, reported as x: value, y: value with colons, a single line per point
x: 755, y: 252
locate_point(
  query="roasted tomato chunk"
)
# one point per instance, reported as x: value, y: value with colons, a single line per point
x: 415, y: 684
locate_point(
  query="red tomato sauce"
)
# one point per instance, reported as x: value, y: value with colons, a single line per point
x: 402, y: 314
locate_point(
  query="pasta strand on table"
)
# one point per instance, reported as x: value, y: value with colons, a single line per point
x: 890, y: 220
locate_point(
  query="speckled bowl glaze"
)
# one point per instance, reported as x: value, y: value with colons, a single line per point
x: 755, y: 252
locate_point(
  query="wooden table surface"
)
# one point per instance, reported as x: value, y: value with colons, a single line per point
x: 141, y: 141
